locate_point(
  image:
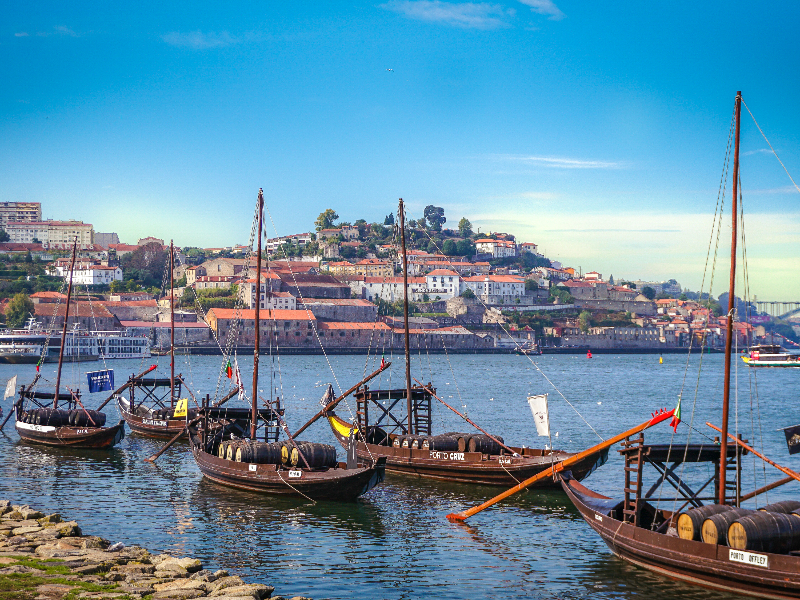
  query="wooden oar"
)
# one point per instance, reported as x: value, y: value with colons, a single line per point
x: 466, y: 418
x: 332, y: 404
x: 126, y: 386
x: 172, y: 441
x: 558, y: 467
x: 784, y: 470
x: 19, y: 402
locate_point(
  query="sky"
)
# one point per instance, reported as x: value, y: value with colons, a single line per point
x: 596, y: 130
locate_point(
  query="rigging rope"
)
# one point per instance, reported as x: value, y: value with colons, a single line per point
x: 770, y: 145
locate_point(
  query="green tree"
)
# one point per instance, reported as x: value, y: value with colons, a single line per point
x: 683, y: 297
x: 467, y: 293
x: 18, y: 310
x: 465, y: 248
x: 465, y: 227
x: 326, y: 219
x: 449, y: 248
x: 4, y: 237
x: 389, y: 220
x: 531, y: 285
x: 649, y: 292
x: 585, y: 321
x: 435, y: 216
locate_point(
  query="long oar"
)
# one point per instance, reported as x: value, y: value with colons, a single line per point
x: 466, y: 418
x: 784, y: 470
x: 126, y: 386
x: 558, y: 467
x: 332, y: 404
x: 178, y: 436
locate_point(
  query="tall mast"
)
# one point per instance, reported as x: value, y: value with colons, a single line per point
x: 66, y: 320
x: 253, y: 415
x: 723, y: 449
x: 402, y: 214
x: 171, y: 325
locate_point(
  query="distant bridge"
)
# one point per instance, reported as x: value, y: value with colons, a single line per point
x: 780, y: 310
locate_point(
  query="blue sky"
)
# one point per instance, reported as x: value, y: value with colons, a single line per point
x: 597, y: 130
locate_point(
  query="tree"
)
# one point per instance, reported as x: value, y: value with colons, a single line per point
x: 146, y: 264
x: 531, y: 285
x: 449, y: 248
x: 648, y: 292
x: 465, y: 247
x: 585, y: 321
x: 4, y: 237
x: 683, y: 297
x: 389, y: 220
x: 610, y: 280
x: 465, y: 227
x: 18, y: 310
x: 326, y: 219
x: 467, y: 293
x: 435, y: 216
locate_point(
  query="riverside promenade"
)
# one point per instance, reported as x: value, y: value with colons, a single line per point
x: 44, y: 557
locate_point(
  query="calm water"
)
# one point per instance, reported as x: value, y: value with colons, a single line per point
x: 395, y: 542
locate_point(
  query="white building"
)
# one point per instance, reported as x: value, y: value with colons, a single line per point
x: 17, y: 212
x: 389, y: 289
x: 442, y: 283
x: 299, y: 239
x: 51, y: 234
x: 497, y: 248
x: 270, y: 284
x: 94, y: 275
x: 486, y: 286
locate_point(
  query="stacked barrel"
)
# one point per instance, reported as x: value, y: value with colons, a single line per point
x: 775, y: 528
x: 56, y: 417
x: 450, y: 442
x: 287, y: 454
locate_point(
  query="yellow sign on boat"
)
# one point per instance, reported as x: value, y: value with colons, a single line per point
x: 181, y: 408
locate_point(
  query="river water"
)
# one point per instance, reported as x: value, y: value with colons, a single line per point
x: 395, y: 542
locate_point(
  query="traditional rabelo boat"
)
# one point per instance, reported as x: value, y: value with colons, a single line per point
x: 73, y: 426
x: 239, y: 447
x: 715, y: 544
x: 401, y: 432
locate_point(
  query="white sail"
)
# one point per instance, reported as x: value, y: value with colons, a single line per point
x: 541, y: 417
x: 11, y: 387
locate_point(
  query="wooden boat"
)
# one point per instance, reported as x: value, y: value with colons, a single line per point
x: 771, y: 355
x: 75, y: 427
x: 660, y: 541
x: 241, y: 433
x: 407, y: 442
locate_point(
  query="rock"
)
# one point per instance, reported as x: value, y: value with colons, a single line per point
x: 114, y: 576
x: 17, y: 540
x: 172, y: 568
x: 136, y: 588
x: 226, y: 582
x: 93, y: 541
x: 299, y: 598
x: 50, y: 520
x: 29, y: 513
x: 160, y: 558
x: 253, y: 590
x: 45, y: 535
x: 178, y: 594
x: 68, y: 529
x: 54, y: 551
x: 204, y: 575
x: 53, y: 590
x: 182, y: 584
x: 87, y: 570
x: 5, y: 506
x: 190, y: 564
x: 221, y: 573
x: 25, y: 530
x: 14, y: 515
x: 19, y: 569
x: 134, y: 568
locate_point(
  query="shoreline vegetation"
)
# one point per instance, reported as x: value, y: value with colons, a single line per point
x: 44, y: 557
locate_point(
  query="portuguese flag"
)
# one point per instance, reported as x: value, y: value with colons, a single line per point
x: 39, y: 364
x: 676, y: 416
x: 229, y: 370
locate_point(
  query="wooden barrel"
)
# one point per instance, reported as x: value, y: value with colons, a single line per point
x: 244, y: 451
x: 222, y: 450
x: 286, y: 449
x: 396, y: 441
x: 266, y: 453
x: 786, y: 507
x: 690, y: 523
x: 715, y: 527
x: 317, y: 455
x: 294, y: 456
x: 463, y: 442
x: 425, y: 442
x: 483, y: 443
x: 230, y: 451
x: 762, y: 531
x: 444, y: 442
x: 377, y: 436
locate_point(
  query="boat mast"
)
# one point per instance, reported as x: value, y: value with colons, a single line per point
x: 723, y: 447
x: 171, y: 326
x: 253, y: 415
x: 402, y: 215
x: 66, y: 319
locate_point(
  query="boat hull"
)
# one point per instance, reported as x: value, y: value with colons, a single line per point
x: 339, y: 484
x: 72, y: 437
x: 465, y: 467
x: 698, y: 563
x: 149, y: 427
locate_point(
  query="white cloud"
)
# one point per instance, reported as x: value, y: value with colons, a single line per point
x: 21, y: 34
x: 199, y: 40
x: 63, y: 30
x: 545, y: 7
x: 759, y: 151
x: 559, y: 162
x: 469, y: 15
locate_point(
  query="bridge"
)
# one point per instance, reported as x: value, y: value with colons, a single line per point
x: 780, y: 310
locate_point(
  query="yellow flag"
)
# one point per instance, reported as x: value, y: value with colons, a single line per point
x: 180, y: 409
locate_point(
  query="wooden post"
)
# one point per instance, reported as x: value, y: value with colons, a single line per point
x: 254, y: 412
x: 66, y: 320
x: 171, y: 326
x: 402, y: 214
x: 726, y: 394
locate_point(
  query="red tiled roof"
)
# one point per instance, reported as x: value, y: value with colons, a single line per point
x: 443, y: 272
x: 279, y: 314
x: 332, y: 325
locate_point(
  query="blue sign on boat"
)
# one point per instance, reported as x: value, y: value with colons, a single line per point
x: 100, y: 381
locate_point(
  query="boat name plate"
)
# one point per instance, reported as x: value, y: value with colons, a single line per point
x: 447, y: 455
x: 749, y: 558
x: 253, y: 467
x: 154, y: 422
x: 295, y: 474
x: 598, y: 517
x: 504, y: 460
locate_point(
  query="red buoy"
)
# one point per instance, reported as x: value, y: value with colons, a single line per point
x: 588, y: 354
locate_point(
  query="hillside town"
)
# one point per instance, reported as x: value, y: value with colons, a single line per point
x: 341, y: 287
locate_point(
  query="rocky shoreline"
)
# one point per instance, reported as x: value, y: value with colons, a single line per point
x: 44, y: 557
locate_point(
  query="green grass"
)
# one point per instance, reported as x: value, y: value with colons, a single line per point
x: 22, y: 586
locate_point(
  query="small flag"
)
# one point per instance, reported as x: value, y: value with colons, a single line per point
x: 383, y: 362
x: 229, y: 370
x: 100, y: 381
x: 11, y: 387
x: 39, y: 364
x: 676, y: 416
x: 793, y: 439
x: 181, y: 408
x: 238, y: 381
x: 541, y: 415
